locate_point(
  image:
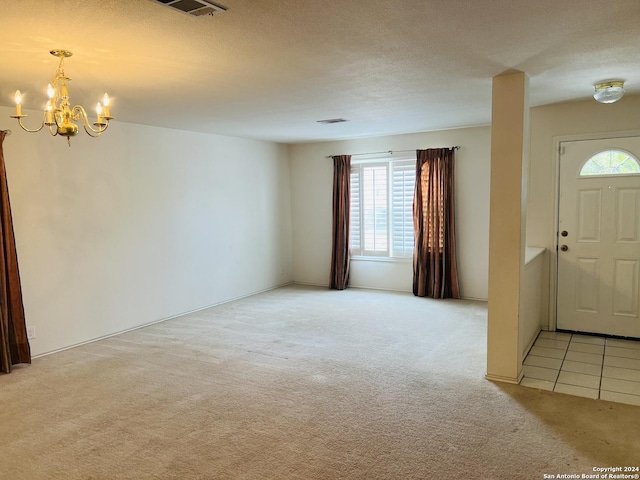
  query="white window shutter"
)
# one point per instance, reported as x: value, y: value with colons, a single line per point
x: 375, y: 209
x: 402, y: 191
x: 355, y: 232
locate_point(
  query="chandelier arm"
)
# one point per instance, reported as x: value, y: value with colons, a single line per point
x: 81, y: 114
x: 93, y: 133
x: 27, y: 129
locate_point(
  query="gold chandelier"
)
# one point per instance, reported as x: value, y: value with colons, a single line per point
x: 59, y: 116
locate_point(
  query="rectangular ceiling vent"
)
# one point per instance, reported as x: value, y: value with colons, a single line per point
x: 329, y: 121
x: 196, y: 8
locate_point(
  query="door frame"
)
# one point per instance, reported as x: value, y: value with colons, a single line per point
x: 553, y: 267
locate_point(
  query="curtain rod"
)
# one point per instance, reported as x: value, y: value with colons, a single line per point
x: 390, y: 152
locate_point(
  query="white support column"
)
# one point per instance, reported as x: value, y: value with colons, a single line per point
x: 509, y: 169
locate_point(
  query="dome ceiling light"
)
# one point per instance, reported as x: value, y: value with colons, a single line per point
x: 609, y: 92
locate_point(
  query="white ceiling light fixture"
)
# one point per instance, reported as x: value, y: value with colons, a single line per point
x: 609, y: 92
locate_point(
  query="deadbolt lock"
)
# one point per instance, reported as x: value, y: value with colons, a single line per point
x: 564, y: 233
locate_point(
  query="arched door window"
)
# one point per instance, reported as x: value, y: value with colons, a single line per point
x: 611, y: 162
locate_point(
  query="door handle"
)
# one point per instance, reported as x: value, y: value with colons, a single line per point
x: 564, y: 248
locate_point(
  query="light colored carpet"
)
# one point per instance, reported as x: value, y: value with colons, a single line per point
x: 300, y: 383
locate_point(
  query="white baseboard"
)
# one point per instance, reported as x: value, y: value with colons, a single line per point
x: 499, y: 378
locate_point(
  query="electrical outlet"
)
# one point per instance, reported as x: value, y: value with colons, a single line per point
x: 31, y: 333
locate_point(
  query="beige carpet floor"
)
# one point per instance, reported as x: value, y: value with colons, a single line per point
x: 300, y: 383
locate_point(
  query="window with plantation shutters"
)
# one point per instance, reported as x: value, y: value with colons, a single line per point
x: 381, y: 223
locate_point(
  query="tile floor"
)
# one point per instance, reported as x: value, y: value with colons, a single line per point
x: 584, y: 365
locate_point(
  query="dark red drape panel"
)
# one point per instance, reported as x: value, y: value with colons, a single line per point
x: 340, y: 239
x: 435, y: 273
x: 14, y: 346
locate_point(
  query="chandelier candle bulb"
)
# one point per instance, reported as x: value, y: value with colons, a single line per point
x: 49, y: 120
x: 99, y: 112
x: 18, y: 99
x: 105, y: 102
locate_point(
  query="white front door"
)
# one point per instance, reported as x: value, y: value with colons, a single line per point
x: 599, y: 237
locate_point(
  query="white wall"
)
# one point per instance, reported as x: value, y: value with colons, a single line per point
x: 311, y: 194
x: 142, y: 224
x: 547, y: 123
x: 532, y: 312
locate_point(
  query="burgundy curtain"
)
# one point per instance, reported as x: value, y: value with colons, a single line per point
x: 435, y: 272
x: 340, y: 239
x: 14, y: 346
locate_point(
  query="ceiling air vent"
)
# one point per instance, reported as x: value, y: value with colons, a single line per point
x: 197, y: 8
x: 332, y: 120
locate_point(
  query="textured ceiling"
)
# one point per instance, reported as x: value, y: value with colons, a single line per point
x: 269, y: 69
